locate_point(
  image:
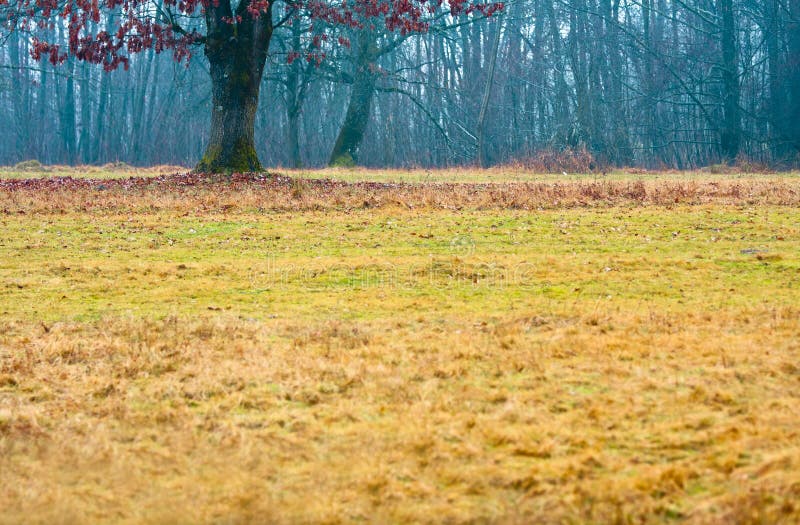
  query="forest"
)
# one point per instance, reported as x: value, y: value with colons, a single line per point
x: 649, y: 83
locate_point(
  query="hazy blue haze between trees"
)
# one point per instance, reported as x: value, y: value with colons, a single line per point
x: 655, y: 83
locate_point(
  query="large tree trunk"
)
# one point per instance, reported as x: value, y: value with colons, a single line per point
x: 236, y: 55
x: 231, y: 146
x: 345, y: 150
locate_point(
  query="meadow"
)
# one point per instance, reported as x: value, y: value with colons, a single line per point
x: 433, y: 347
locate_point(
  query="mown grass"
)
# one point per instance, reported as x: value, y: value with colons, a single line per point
x: 236, y: 360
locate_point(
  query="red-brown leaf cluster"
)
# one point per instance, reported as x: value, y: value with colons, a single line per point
x: 132, y: 26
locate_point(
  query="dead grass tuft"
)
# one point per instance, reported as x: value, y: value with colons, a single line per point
x: 569, y: 160
x: 336, y: 420
x: 255, y: 192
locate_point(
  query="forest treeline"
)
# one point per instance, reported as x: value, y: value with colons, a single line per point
x: 652, y: 83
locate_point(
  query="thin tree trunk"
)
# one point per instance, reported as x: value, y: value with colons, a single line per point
x: 487, y: 93
x: 100, y: 119
x: 731, y: 132
x: 68, y: 115
x: 86, y: 116
x: 771, y: 35
x: 42, y: 141
x: 296, y: 85
x: 362, y: 92
x: 561, y: 102
x: 139, y: 103
x: 19, y: 95
x: 793, y: 76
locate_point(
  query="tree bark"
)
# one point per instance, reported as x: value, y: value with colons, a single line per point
x: 293, y: 137
x: 236, y: 54
x: 771, y: 30
x: 483, y: 162
x: 731, y: 131
x: 620, y: 150
x: 793, y: 74
x: 561, y: 117
x: 345, y: 150
x: 99, y: 147
x: 67, y: 116
x: 85, y: 139
x: 19, y: 96
x: 296, y: 85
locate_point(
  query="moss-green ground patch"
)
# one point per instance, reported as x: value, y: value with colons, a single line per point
x: 372, y: 263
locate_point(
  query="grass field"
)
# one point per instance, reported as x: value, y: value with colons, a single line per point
x: 268, y: 349
x: 26, y: 170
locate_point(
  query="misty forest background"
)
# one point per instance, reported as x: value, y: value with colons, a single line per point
x: 651, y: 83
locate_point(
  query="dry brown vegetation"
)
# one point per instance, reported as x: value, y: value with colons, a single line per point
x: 34, y: 168
x: 175, y: 350
x: 600, y: 418
x: 280, y: 193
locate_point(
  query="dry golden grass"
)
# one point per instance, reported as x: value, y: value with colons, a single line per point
x: 610, y: 418
x: 301, y: 352
x: 113, y: 170
x: 192, y: 193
